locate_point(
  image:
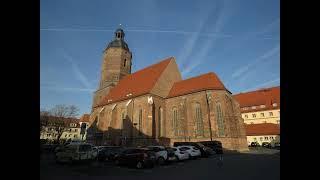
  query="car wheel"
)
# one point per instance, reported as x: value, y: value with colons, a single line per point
x: 177, y: 158
x: 139, y: 165
x: 161, y: 160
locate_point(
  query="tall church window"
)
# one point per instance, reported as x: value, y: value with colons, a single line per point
x: 198, y: 120
x: 125, y: 62
x: 161, y: 123
x: 175, y: 121
x: 123, y: 121
x: 140, y: 121
x: 123, y: 117
x: 220, y: 120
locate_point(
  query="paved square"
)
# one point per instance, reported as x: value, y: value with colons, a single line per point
x: 234, y: 167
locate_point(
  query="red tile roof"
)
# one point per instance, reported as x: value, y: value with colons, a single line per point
x: 66, y: 121
x: 195, y: 84
x: 85, y: 118
x: 137, y: 84
x: 259, y: 97
x: 262, y: 129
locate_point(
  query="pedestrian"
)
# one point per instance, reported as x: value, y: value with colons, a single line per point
x: 220, y: 161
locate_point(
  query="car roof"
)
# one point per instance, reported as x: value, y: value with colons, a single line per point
x: 184, y: 146
x: 157, y: 146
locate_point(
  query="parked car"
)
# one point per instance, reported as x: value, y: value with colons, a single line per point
x: 266, y: 145
x: 161, y: 154
x: 193, y: 151
x: 180, y: 154
x: 277, y: 145
x: 254, y: 144
x: 95, y: 151
x: 59, y: 148
x: 216, y: 146
x: 171, y: 154
x: 138, y: 157
x: 75, y: 152
x: 107, y: 153
x: 205, y: 151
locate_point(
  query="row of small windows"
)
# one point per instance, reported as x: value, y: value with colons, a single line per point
x: 261, y: 115
x: 266, y: 138
x: 70, y: 130
x: 278, y: 122
x: 261, y: 106
x: 55, y: 135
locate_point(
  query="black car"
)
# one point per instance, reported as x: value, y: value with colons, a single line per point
x: 216, y: 146
x: 205, y: 151
x: 107, y: 153
x: 138, y: 157
x: 266, y: 145
x: 254, y: 144
x: 171, y: 155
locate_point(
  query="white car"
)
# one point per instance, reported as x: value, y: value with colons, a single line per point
x: 191, y: 150
x: 95, y: 151
x: 180, y: 154
x: 161, y: 153
x: 76, y: 152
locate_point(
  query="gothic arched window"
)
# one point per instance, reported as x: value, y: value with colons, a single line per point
x: 198, y: 120
x: 175, y: 121
x: 125, y: 62
x: 161, y: 123
x: 220, y: 120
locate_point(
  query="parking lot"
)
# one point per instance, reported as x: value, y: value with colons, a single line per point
x: 257, y: 164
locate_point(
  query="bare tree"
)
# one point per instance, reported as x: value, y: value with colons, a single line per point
x: 44, y: 119
x: 56, y: 117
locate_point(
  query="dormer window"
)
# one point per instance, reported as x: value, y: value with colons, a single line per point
x: 274, y: 104
x: 262, y: 106
x: 253, y: 107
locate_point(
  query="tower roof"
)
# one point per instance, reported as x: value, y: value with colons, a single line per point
x: 118, y: 41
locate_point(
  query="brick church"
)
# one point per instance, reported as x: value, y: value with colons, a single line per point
x: 156, y: 106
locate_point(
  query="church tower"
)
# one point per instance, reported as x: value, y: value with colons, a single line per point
x: 116, y: 64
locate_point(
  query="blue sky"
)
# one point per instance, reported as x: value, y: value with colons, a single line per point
x: 238, y: 40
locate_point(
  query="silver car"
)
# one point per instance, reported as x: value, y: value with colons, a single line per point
x: 76, y: 152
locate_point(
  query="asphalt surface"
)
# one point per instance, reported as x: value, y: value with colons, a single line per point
x: 246, y: 166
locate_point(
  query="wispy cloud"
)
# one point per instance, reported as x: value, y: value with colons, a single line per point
x: 267, y: 28
x: 68, y: 89
x: 263, y: 85
x: 77, y: 72
x: 223, y: 15
x: 244, y: 69
x: 74, y: 29
x: 196, y: 33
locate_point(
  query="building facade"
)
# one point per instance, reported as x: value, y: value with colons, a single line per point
x: 70, y: 126
x: 260, y: 110
x: 84, y: 125
x: 155, y: 106
x: 261, y: 106
x: 265, y: 132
